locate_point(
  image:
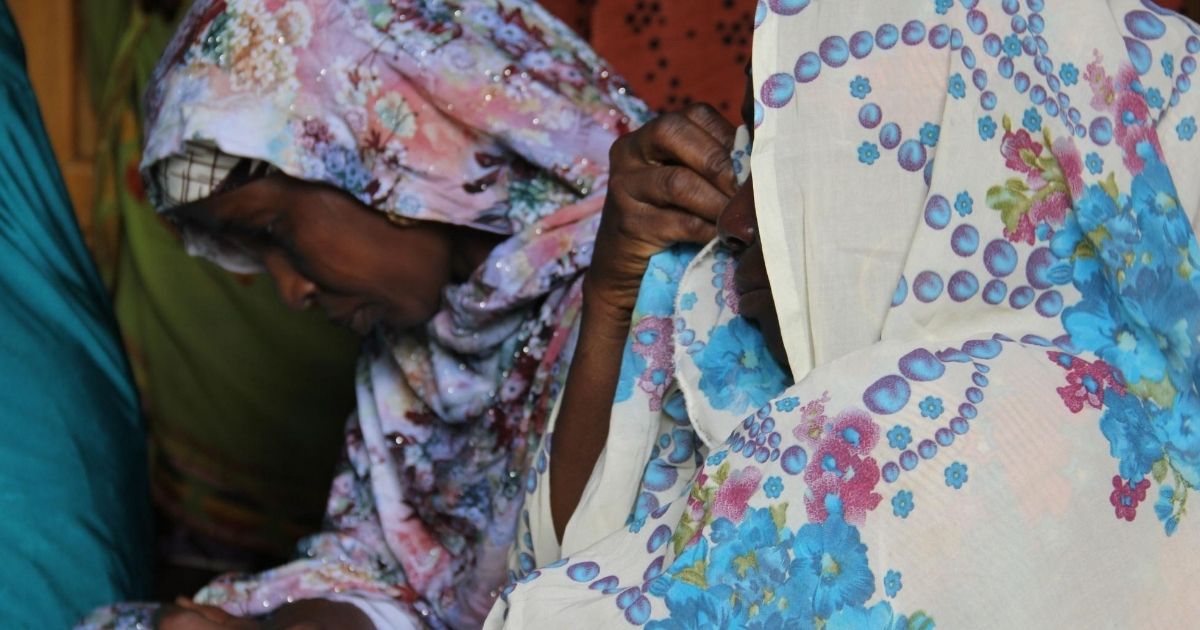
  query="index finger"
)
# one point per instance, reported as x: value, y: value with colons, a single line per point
x: 209, y: 612
x: 719, y: 127
x: 677, y: 140
x: 712, y: 121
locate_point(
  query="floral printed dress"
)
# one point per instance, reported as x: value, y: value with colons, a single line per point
x: 488, y: 114
x: 979, y: 244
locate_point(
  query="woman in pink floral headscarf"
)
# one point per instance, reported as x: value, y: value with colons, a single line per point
x: 429, y: 173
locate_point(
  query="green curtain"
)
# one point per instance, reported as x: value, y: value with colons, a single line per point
x: 74, y: 508
x: 246, y: 400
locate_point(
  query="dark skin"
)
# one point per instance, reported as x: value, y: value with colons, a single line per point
x: 738, y: 229
x: 668, y: 183
x: 308, y: 614
x: 671, y: 181
x: 651, y: 205
x: 324, y: 248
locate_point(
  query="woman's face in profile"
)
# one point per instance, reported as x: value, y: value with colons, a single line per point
x: 324, y: 248
x: 738, y: 229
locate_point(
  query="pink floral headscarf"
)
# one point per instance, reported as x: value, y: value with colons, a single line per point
x: 430, y: 110
x: 482, y: 113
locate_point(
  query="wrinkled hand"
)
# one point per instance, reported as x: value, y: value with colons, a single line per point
x: 308, y: 614
x: 668, y: 183
x: 188, y: 615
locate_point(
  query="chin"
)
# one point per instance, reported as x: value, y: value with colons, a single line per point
x: 403, y: 322
x: 774, y: 341
x: 758, y: 308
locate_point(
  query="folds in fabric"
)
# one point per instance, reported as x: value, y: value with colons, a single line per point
x: 73, y: 460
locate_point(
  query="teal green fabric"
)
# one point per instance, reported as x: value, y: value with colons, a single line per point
x: 74, y: 508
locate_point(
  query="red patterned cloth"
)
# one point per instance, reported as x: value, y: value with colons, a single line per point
x: 656, y: 45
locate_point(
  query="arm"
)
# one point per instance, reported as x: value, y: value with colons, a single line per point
x: 312, y: 614
x: 669, y: 182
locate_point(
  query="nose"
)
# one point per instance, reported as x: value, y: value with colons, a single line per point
x: 737, y: 227
x: 295, y: 290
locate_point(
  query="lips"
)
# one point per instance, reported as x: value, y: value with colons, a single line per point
x: 753, y: 286
x: 745, y: 281
x: 361, y: 319
x: 754, y: 304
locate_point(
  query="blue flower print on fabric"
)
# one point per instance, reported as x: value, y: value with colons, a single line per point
x: 785, y: 405
x: 1140, y: 313
x: 773, y: 487
x: 1043, y: 231
x: 1186, y: 129
x: 899, y: 437
x: 1164, y: 509
x: 836, y: 560
x: 632, y: 367
x: 761, y: 574
x: 676, y: 408
x: 1098, y: 324
x: 1032, y: 120
x: 656, y: 298
x: 1012, y: 46
x: 957, y: 86
x: 1131, y: 437
x: 942, y: 6
x: 930, y: 134
x: 892, y: 583
x: 878, y: 617
x: 1148, y: 330
x: 1154, y: 98
x: 860, y: 87
x: 963, y: 204
x: 345, y: 167
x: 661, y: 282
x: 868, y: 152
x: 736, y: 370
x: 932, y: 407
x: 1166, y: 312
x: 902, y: 504
x: 1168, y: 64
x: 692, y: 607
x: 687, y: 301
x: 1069, y: 74
x: 956, y: 475
x: 1094, y: 163
x: 987, y: 128
x: 1182, y: 439
x: 708, y: 587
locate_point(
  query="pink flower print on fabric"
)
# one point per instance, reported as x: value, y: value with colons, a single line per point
x: 1128, y: 112
x: 1020, y: 152
x: 1086, y: 382
x: 653, y: 340
x: 1126, y: 497
x: 729, y: 288
x: 813, y: 422
x: 733, y: 496
x: 1070, y: 163
x: 841, y: 466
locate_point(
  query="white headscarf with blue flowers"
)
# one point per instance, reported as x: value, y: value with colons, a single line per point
x: 986, y: 205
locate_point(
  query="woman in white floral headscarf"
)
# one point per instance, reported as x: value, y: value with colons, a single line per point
x: 964, y: 239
